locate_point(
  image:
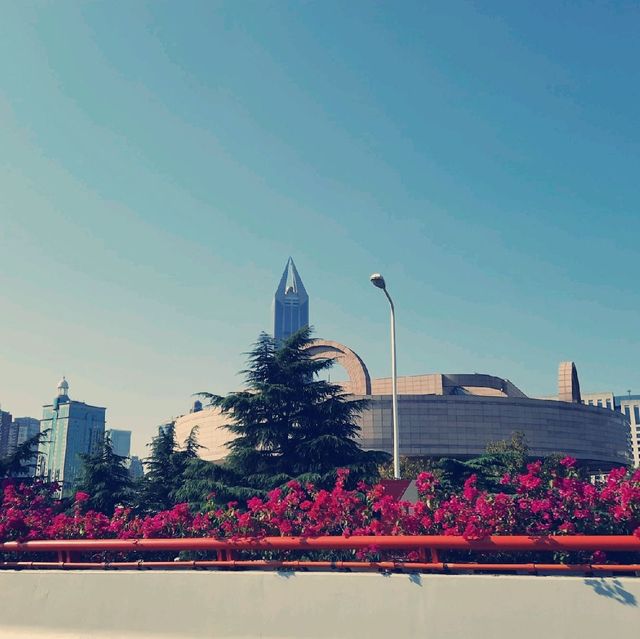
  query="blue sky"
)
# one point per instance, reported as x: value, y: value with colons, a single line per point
x: 160, y: 161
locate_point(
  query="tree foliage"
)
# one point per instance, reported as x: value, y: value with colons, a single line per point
x: 105, y: 478
x: 204, y: 482
x: 503, y: 456
x: 513, y: 452
x: 165, y: 469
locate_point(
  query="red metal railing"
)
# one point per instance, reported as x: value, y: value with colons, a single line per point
x: 426, y: 547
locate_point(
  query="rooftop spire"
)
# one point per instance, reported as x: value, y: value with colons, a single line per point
x: 63, y: 387
x: 290, y: 282
x: 291, y: 303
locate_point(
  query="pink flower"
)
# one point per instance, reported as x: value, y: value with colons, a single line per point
x: 470, y: 491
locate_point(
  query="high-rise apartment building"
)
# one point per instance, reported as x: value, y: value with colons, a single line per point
x: 290, y: 304
x: 629, y: 405
x: 22, y: 429
x: 74, y: 428
x: 136, y: 469
x: 15, y: 431
x: 120, y: 441
x: 5, y: 428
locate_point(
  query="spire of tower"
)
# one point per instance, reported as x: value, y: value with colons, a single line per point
x: 291, y: 282
x: 291, y: 303
x: 63, y: 387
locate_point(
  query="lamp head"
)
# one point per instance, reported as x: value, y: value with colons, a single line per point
x: 378, y: 280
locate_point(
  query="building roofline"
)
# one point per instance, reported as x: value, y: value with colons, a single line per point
x: 75, y: 401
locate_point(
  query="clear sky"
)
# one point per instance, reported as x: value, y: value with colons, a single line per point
x: 160, y: 161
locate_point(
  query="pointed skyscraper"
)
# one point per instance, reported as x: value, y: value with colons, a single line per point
x: 290, y: 304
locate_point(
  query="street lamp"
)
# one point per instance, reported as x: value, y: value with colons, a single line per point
x: 378, y: 281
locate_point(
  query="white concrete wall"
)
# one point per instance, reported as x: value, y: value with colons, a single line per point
x: 252, y: 604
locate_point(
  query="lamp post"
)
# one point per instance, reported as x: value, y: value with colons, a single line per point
x: 378, y: 281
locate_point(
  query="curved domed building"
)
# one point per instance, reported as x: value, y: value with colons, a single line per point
x: 457, y: 415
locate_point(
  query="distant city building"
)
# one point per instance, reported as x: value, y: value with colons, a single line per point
x: 629, y: 406
x: 120, y: 441
x: 290, y: 304
x: 5, y: 427
x: 136, y: 469
x: 15, y: 431
x: 602, y: 400
x: 74, y: 428
x: 22, y: 429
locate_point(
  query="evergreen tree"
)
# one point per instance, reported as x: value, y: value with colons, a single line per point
x: 289, y: 423
x: 160, y: 477
x: 203, y: 481
x: 505, y: 456
x: 166, y: 466
x: 105, y: 478
x: 501, y: 457
x: 190, y: 448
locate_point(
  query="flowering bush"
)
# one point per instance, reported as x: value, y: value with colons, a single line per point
x: 538, y: 502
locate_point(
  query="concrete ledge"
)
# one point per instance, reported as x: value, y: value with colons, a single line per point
x: 193, y: 604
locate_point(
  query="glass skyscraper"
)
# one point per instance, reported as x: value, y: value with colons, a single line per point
x: 5, y: 429
x: 22, y: 429
x: 13, y: 432
x: 74, y: 428
x: 290, y: 304
x: 136, y: 469
x: 120, y: 441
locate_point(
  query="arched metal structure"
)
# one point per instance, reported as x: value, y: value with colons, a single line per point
x: 568, y: 383
x: 360, y: 380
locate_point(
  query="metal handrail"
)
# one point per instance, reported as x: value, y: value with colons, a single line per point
x: 423, y: 544
x: 497, y: 543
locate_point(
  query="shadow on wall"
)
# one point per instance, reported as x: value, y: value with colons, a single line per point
x: 613, y: 589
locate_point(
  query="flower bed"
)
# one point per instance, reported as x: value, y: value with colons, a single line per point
x: 533, y: 503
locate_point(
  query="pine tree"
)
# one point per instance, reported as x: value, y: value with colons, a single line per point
x: 105, y: 478
x: 166, y: 466
x: 501, y: 457
x: 203, y: 481
x: 289, y: 423
x: 160, y: 476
